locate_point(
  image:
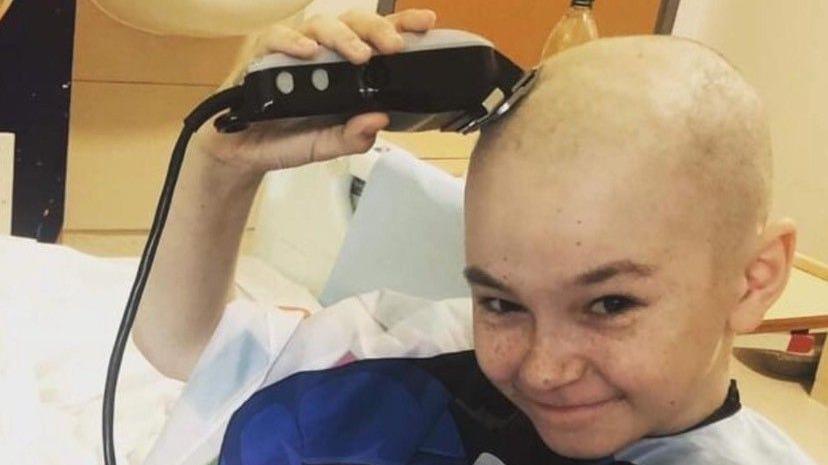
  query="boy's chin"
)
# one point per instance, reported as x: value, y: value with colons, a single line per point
x: 583, y: 445
x: 588, y: 435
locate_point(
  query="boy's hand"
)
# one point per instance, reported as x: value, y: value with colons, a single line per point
x: 278, y: 144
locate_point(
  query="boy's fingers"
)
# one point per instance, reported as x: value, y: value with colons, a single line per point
x: 355, y: 136
x: 289, y: 41
x: 413, y: 20
x: 352, y: 34
x: 365, y: 125
x: 373, y: 28
x: 337, y: 36
x: 276, y: 39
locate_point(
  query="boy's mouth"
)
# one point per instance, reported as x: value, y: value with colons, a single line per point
x: 572, y: 413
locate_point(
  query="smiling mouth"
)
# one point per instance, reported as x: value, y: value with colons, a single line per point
x: 573, y: 413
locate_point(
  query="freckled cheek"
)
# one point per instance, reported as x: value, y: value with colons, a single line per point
x: 500, y: 350
x: 637, y: 364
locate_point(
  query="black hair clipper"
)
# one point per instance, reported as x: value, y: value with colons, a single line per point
x: 444, y: 79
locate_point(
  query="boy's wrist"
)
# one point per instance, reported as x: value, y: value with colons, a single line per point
x: 219, y: 158
x: 217, y: 174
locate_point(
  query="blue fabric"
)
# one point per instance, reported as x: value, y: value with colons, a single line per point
x: 383, y: 412
x: 406, y: 234
x: 239, y: 361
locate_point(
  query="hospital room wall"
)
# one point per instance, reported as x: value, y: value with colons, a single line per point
x: 129, y: 92
x: 782, y: 49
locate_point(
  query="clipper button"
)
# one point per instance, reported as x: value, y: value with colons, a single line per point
x: 320, y: 79
x: 284, y: 82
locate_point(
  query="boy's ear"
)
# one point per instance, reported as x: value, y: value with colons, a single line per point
x: 765, y: 276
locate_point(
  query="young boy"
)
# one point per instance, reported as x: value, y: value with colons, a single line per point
x: 616, y: 240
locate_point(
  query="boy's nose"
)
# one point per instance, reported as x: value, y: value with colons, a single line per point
x: 548, y: 368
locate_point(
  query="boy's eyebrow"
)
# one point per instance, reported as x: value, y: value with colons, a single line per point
x: 612, y: 269
x: 477, y: 275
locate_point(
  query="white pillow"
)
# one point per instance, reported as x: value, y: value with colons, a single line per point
x: 406, y: 233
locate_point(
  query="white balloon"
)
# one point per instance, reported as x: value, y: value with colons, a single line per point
x: 200, y: 18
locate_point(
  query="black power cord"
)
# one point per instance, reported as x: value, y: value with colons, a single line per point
x: 215, y: 104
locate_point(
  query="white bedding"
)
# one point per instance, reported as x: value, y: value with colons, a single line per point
x: 59, y: 311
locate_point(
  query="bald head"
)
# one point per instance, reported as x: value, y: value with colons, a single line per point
x: 660, y: 110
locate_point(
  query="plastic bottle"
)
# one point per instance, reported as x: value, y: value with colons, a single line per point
x: 575, y: 27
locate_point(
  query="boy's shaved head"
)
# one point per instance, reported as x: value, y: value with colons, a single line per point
x: 610, y: 220
x: 672, y: 104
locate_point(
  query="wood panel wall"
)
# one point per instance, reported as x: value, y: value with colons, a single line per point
x: 519, y: 27
x: 130, y: 91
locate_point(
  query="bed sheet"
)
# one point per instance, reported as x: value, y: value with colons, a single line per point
x: 59, y: 311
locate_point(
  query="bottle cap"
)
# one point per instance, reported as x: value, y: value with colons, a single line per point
x: 586, y: 3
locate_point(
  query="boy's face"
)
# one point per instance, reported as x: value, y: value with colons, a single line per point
x: 597, y: 310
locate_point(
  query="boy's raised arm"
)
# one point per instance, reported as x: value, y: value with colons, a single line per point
x: 192, y: 276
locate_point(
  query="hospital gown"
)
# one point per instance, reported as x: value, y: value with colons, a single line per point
x: 388, y: 379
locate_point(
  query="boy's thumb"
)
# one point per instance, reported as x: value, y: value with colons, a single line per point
x: 361, y: 130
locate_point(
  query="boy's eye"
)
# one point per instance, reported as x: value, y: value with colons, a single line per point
x: 499, y: 306
x: 612, y: 305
